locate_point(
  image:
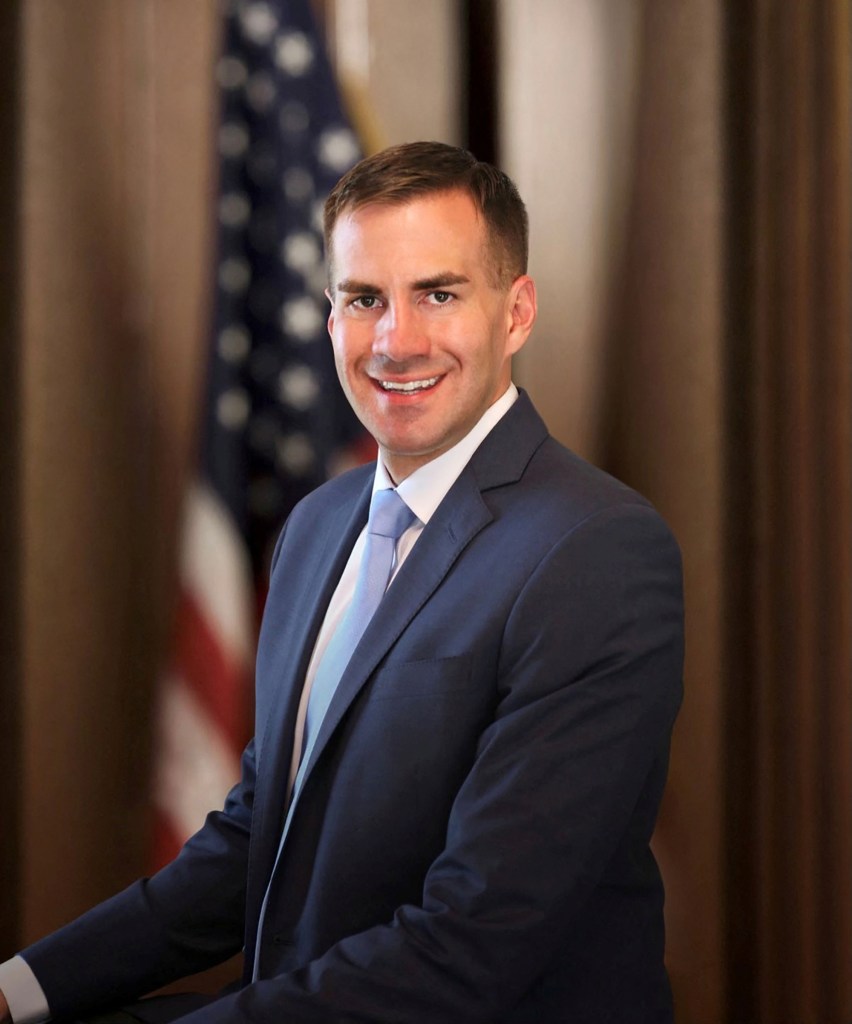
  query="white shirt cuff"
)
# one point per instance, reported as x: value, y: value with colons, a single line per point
x: 23, y: 993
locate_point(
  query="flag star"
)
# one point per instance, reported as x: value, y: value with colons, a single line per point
x: 258, y: 22
x: 337, y: 149
x: 234, y: 209
x: 233, y: 139
x: 301, y: 251
x: 295, y: 453
x: 298, y: 387
x: 317, y: 281
x: 318, y: 215
x: 232, y: 409
x: 234, y: 344
x: 231, y: 73
x: 234, y: 275
x: 302, y: 318
x: 298, y: 185
x: 261, y: 92
x: 294, y: 53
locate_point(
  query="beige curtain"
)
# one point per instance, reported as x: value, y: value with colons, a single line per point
x: 729, y: 404
x: 789, y: 652
x: 114, y: 165
x: 698, y: 345
x: 662, y: 430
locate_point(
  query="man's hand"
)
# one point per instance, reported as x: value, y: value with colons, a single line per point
x: 5, y: 1016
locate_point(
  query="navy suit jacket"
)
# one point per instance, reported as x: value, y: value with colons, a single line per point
x: 471, y: 842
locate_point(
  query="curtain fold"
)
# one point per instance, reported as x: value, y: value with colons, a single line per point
x: 662, y: 433
x: 789, y: 660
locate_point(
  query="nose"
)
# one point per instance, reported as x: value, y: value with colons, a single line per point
x: 400, y: 335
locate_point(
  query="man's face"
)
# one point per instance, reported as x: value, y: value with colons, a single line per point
x: 423, y: 333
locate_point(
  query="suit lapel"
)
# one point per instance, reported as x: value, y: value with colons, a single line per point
x: 340, y: 526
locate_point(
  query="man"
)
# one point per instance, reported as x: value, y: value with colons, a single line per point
x: 453, y: 823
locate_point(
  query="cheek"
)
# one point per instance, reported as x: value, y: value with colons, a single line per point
x: 341, y: 343
x: 340, y: 362
x: 347, y: 362
x: 350, y: 340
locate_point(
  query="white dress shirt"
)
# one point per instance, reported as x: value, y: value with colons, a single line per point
x: 423, y: 492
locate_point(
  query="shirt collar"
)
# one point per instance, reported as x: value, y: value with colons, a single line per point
x: 427, y: 486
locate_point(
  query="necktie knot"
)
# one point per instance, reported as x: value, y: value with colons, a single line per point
x: 389, y: 515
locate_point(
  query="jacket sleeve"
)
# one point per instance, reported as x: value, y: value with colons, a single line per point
x: 567, y: 777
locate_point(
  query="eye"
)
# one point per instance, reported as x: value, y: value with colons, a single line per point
x: 365, y: 301
x: 440, y: 298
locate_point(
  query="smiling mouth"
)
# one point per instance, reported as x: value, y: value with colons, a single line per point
x: 410, y: 386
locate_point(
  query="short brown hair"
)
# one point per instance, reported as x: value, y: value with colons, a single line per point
x: 415, y: 169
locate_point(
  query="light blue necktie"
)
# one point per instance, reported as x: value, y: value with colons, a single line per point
x: 389, y: 518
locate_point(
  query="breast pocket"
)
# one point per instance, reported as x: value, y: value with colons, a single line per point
x: 430, y: 678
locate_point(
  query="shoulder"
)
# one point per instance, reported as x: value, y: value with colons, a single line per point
x: 340, y: 491
x: 571, y: 480
x: 559, y: 492
x: 520, y: 461
x: 325, y: 509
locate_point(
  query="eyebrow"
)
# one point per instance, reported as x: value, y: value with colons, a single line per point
x: 351, y: 287
x: 430, y: 284
x: 427, y: 284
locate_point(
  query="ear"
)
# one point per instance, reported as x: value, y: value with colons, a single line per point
x: 331, y: 312
x: 521, y: 313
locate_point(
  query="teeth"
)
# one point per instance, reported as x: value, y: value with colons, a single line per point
x: 411, y: 385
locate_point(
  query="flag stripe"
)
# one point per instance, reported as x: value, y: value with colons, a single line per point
x: 199, y: 765
x: 219, y: 683
x: 216, y: 570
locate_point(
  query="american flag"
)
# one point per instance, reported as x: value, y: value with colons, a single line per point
x: 275, y: 422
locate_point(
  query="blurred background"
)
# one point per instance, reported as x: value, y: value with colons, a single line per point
x: 687, y: 171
